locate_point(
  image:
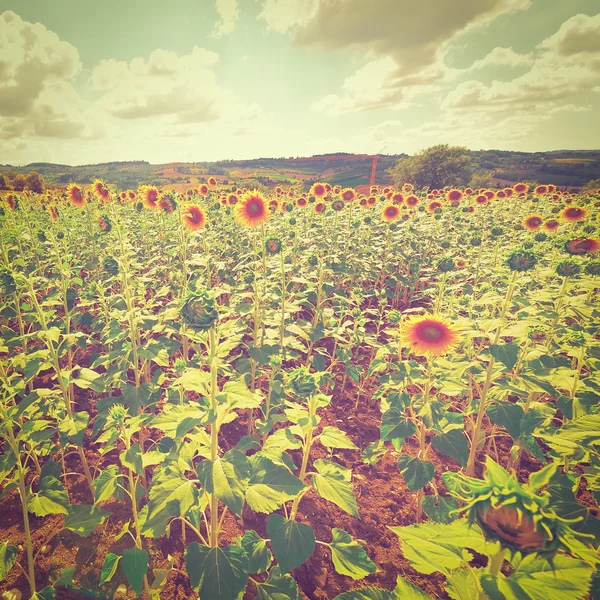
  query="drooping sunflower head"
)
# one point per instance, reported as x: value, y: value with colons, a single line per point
x: 429, y: 335
x: 593, y: 268
x: 110, y: 265
x: 76, y: 195
x: 574, y: 214
x: 521, y: 260
x: 390, y: 213
x: 532, y: 222
x: 53, y: 212
x: 567, y: 268
x: 337, y: 205
x: 582, y: 245
x: 445, y: 265
x: 252, y: 210
x: 515, y: 514
x: 433, y: 206
x: 397, y: 198
x: 193, y: 217
x: 100, y: 190
x: 104, y: 223
x: 199, y: 310
x: 168, y: 203
x: 318, y: 190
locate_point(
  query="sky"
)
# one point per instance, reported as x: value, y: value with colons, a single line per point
x: 85, y: 82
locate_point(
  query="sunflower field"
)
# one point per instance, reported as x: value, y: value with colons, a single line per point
x: 233, y: 394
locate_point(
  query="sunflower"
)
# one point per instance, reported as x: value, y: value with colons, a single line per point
x: 203, y: 189
x: 429, y: 334
x: 273, y: 245
x: 582, y: 245
x: 348, y: 194
x: 551, y: 225
x: 407, y: 188
x: 53, y: 211
x: 232, y: 199
x: 100, y: 190
x: 481, y: 199
x: 454, y: 195
x: 411, y: 200
x: 319, y: 207
x: 468, y: 191
x: 337, y: 205
x: 533, y: 222
x: 489, y: 194
x: 508, y: 192
x: 371, y: 200
x: 390, y: 213
x: 301, y: 202
x: 193, y: 217
x: 337, y: 189
x: 123, y: 196
x: 252, y: 211
x: 131, y: 194
x: 520, y: 188
x: 149, y: 196
x: 76, y: 195
x: 574, y: 214
x: 212, y: 182
x: 318, y: 190
x: 168, y: 204
x: 397, y: 198
x: 540, y: 190
x: 433, y: 206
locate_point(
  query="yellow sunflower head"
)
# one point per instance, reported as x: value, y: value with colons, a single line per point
x: 429, y: 335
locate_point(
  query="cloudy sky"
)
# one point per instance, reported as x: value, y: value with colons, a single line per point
x: 191, y: 80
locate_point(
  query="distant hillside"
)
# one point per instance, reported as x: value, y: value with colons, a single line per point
x: 562, y: 167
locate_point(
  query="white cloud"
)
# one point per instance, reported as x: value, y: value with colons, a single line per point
x: 228, y: 13
x: 406, y: 38
x: 36, y: 71
x: 578, y: 35
x: 502, y: 57
x: 283, y: 15
x: 184, y: 87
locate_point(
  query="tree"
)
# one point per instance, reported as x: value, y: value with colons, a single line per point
x: 480, y: 180
x: 3, y: 182
x: 18, y: 183
x: 436, y: 167
x: 34, y: 182
x: 591, y: 187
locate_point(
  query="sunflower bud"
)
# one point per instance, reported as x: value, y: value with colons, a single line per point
x: 521, y: 260
x: 394, y: 317
x: 540, y: 237
x: 275, y: 361
x: 104, y: 224
x: 497, y: 231
x: 117, y: 413
x: 475, y: 241
x: 302, y: 382
x: 41, y: 235
x: 514, y: 514
x: 199, y: 311
x: 575, y: 339
x: 60, y: 235
x: 292, y: 220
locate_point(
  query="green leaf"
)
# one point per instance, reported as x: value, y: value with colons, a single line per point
x: 221, y: 478
x: 415, y: 472
x: 259, y: 555
x: 8, y: 556
x: 238, y: 395
x: 439, y: 508
x: 332, y: 482
x: 51, y: 499
x: 507, y: 354
x: 83, y: 518
x: 111, y: 562
x: 48, y: 593
x: 171, y: 495
x: 349, y: 557
x: 88, y: 379
x: 507, y: 415
x: 292, y: 542
x: 332, y: 437
x: 405, y: 590
x: 278, y: 587
x: 106, y: 484
x: 394, y: 425
x: 454, y: 444
x: 432, y: 547
x: 132, y: 459
x: 579, y: 436
x: 74, y: 428
x: 463, y: 584
x: 217, y: 573
x: 134, y: 563
x: 270, y: 485
x: 371, y: 593
x: 65, y: 579
x: 537, y: 579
